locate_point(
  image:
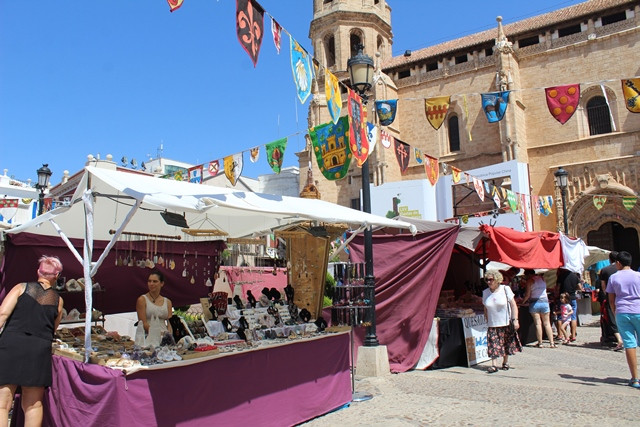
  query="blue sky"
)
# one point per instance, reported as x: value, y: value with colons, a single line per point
x: 125, y: 77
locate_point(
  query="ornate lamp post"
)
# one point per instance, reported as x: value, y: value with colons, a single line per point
x: 361, y: 75
x: 44, y: 173
x: 562, y: 181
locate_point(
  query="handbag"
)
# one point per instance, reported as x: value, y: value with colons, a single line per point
x: 511, y: 328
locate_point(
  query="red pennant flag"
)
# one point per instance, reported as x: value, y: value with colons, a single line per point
x: 432, y: 169
x: 563, y: 101
x: 276, y: 30
x: 174, y: 4
x: 250, y: 27
x: 357, y: 128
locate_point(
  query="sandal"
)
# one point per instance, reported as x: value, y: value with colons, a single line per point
x: 553, y: 345
x: 492, y: 370
x: 538, y: 345
x: 505, y: 367
x: 619, y: 347
x: 634, y: 382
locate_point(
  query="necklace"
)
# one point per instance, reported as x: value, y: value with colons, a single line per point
x: 153, y: 299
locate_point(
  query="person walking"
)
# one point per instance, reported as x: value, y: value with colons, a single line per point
x: 607, y: 318
x: 623, y: 291
x: 568, y: 282
x: 500, y: 309
x: 536, y: 296
x: 564, y: 315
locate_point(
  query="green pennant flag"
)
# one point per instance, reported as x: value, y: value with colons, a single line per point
x: 513, y: 202
x: 275, y: 153
x: 629, y: 202
x: 331, y: 145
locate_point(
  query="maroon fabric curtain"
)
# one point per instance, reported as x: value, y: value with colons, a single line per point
x: 121, y: 285
x: 530, y: 249
x: 409, y: 272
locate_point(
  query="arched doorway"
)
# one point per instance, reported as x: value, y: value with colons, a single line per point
x: 616, y: 237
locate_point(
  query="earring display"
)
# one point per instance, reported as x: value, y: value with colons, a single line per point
x: 350, y: 305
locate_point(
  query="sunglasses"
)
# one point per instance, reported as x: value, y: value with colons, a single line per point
x: 490, y: 280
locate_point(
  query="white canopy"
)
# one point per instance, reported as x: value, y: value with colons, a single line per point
x: 237, y: 213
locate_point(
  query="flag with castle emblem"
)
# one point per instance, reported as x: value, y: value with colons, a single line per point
x: 331, y: 144
x: 494, y: 105
x: 250, y: 27
x: 563, y: 101
x: 436, y: 110
x: 386, y: 111
x: 332, y: 92
x: 275, y: 153
x: 631, y: 92
x: 403, y: 155
x: 233, y: 167
x: 357, y: 128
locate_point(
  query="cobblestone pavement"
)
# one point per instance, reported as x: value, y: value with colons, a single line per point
x: 582, y: 384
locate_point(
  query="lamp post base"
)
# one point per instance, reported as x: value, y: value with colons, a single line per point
x: 372, y: 362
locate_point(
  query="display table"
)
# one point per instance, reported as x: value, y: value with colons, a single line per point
x: 276, y: 385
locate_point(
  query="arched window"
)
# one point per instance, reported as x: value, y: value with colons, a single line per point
x: 354, y: 40
x: 454, y: 133
x: 330, y: 51
x: 598, y: 116
x: 380, y: 46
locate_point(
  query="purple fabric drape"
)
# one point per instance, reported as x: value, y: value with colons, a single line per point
x: 409, y: 273
x: 276, y: 386
x: 122, y: 285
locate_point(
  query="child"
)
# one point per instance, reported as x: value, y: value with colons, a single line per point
x: 564, y: 314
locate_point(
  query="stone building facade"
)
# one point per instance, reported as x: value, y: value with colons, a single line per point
x: 594, y: 43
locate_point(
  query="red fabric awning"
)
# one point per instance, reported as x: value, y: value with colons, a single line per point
x: 532, y: 249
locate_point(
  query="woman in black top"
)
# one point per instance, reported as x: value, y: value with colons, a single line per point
x: 29, y: 316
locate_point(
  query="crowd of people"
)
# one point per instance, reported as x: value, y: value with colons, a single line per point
x: 618, y: 293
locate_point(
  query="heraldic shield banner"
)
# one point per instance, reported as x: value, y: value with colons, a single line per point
x: 631, y: 91
x: 494, y: 105
x: 563, y: 101
x: 331, y: 145
x: 358, y: 135
x: 386, y: 111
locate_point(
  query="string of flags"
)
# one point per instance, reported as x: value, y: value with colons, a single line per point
x: 349, y: 137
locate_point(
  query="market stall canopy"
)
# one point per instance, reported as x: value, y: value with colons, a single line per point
x: 234, y: 213
x: 468, y: 237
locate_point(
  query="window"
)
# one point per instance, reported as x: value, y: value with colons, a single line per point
x: 567, y: 31
x: 432, y: 66
x: 461, y: 59
x: 613, y: 18
x: 454, y: 133
x: 354, y: 41
x: 598, y: 116
x: 488, y: 51
x: 355, y: 204
x: 529, y: 41
x: 404, y: 74
x: 330, y: 51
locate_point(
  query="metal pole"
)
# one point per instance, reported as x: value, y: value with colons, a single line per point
x: 41, y: 202
x: 371, y: 339
x: 563, y: 192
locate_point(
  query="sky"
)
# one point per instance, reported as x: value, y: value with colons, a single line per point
x: 130, y: 79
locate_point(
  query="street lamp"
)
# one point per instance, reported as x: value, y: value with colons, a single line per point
x: 361, y: 76
x: 44, y: 173
x: 562, y: 180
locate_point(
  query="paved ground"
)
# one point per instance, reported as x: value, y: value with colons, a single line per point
x: 582, y: 384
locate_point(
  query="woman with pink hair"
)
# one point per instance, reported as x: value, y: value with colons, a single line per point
x: 29, y: 316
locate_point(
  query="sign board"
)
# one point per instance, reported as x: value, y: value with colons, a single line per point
x: 475, y: 338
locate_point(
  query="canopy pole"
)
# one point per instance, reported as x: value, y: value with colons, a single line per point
x: 346, y: 242
x: 66, y: 240
x: 87, y: 198
x: 117, y: 234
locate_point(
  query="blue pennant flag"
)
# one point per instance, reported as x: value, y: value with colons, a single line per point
x: 494, y: 105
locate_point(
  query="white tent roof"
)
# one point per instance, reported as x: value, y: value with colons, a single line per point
x: 237, y: 213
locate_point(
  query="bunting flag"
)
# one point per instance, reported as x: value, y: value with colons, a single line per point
x: 254, y: 154
x: 372, y: 136
x: 233, y: 168
x: 250, y: 27
x: 8, y: 208
x: 417, y: 154
x: 331, y: 144
x: 436, y: 110
x: 494, y: 105
x: 629, y: 202
x: 431, y: 168
x: 174, y: 4
x: 477, y: 184
x: 301, y: 67
x: 487, y: 188
x: 276, y: 31
x: 545, y: 205
x: 631, y: 92
x: 386, y: 111
x: 599, y: 201
x: 385, y: 138
x: 465, y: 218
x: 195, y: 174
x: 357, y: 128
x: 512, y: 199
x: 332, y: 92
x: 496, y: 197
x: 275, y: 154
x: 563, y: 101
x: 402, y: 154
x: 466, y: 116
x: 212, y: 169
x: 455, y: 174
x: 177, y: 174
x: 537, y: 206
x: 467, y: 178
